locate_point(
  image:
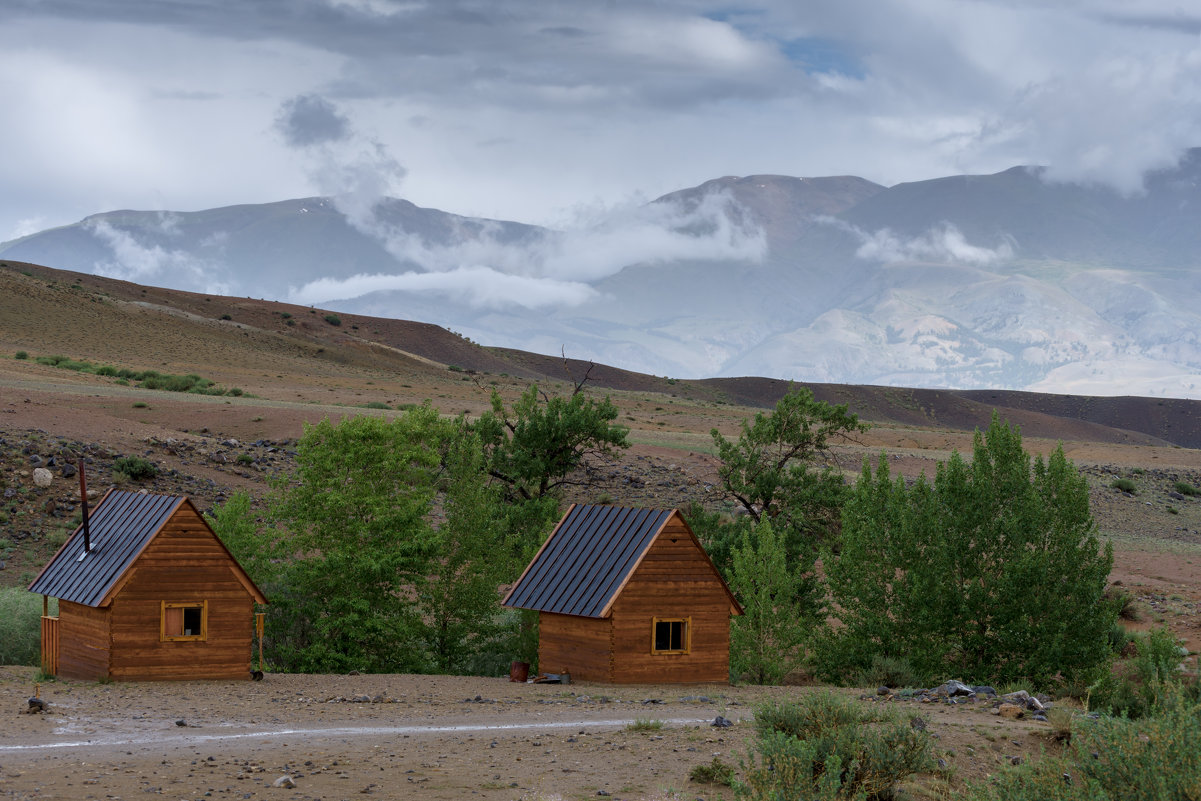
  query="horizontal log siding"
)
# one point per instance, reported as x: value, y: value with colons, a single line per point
x: 577, y: 645
x: 183, y: 563
x: 675, y: 580
x: 84, y: 641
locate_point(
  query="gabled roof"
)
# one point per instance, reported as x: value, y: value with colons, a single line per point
x: 588, y: 559
x: 119, y: 528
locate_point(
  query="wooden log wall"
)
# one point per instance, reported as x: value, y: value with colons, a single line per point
x: 85, y: 644
x: 184, y: 563
x: 675, y: 580
x: 577, y: 645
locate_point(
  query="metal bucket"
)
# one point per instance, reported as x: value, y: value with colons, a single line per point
x: 519, y: 671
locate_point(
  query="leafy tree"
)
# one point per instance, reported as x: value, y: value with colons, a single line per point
x: 993, y: 571
x: 480, y: 544
x: 533, y: 448
x: 358, y: 542
x: 234, y: 522
x: 779, y: 608
x: 781, y: 466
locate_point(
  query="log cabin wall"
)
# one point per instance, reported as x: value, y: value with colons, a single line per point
x: 84, y: 641
x: 674, y: 580
x: 183, y: 564
x: 580, y: 646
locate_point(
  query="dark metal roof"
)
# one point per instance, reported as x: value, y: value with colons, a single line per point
x: 120, y: 527
x: 587, y: 559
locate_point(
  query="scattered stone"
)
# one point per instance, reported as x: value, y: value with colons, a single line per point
x: 722, y: 723
x: 37, y: 706
x: 285, y: 781
x: 42, y: 477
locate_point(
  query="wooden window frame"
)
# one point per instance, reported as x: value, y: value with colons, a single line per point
x: 203, y: 606
x: 687, y: 638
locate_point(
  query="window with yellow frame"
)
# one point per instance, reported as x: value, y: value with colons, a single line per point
x: 671, y: 635
x: 184, y: 620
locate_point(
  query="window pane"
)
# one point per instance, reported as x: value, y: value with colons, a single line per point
x: 677, y: 635
x: 173, y: 621
x: 663, y: 636
x: 191, y: 620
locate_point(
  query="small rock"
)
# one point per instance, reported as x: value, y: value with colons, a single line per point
x: 37, y: 705
x: 181, y: 723
x: 285, y: 781
x: 721, y: 722
x: 42, y: 477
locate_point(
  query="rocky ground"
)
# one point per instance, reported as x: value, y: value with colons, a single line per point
x: 431, y: 737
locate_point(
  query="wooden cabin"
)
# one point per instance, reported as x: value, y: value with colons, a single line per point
x: 147, y: 591
x: 628, y: 596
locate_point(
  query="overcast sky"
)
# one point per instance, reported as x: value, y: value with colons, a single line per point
x: 548, y: 111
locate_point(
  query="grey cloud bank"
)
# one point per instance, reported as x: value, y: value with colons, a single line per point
x: 521, y: 110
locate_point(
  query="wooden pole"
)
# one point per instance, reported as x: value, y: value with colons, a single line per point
x: 258, y: 624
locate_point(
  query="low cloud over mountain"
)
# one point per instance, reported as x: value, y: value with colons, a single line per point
x: 1012, y: 280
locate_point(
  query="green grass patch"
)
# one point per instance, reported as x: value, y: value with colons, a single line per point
x: 146, y: 379
x: 644, y: 725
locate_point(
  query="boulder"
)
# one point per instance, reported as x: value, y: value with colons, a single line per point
x: 42, y: 477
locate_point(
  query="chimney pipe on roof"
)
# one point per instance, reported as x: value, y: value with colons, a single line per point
x: 83, y: 498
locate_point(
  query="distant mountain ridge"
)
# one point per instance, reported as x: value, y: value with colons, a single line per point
x: 1003, y: 281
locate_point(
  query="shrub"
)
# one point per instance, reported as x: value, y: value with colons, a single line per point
x: 20, y: 626
x: 333, y: 319
x: 135, y: 467
x: 888, y: 671
x: 1183, y: 487
x: 1111, y: 759
x: 245, y: 458
x: 716, y: 772
x: 1125, y: 485
x: 376, y: 405
x: 226, y: 317
x: 1123, y: 603
x: 237, y: 392
x: 286, y: 315
x: 643, y: 725
x: 823, y: 747
x: 140, y: 404
x: 20, y: 355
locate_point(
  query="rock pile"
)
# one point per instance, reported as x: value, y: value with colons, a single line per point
x: 1012, y: 705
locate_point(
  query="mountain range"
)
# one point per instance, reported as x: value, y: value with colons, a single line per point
x: 1003, y: 281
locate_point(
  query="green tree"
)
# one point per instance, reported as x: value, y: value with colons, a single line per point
x: 235, y: 524
x: 778, y: 605
x: 781, y: 466
x: 481, y: 543
x: 358, y: 542
x: 993, y: 571
x: 533, y: 448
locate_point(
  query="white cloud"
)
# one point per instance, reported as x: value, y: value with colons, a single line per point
x: 478, y: 287
x: 135, y: 261
x: 944, y: 243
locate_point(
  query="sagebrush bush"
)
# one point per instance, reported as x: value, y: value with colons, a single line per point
x: 1185, y: 488
x: 888, y: 672
x: 135, y: 468
x: 829, y: 748
x: 333, y: 319
x: 1124, y: 484
x: 1114, y: 759
x: 20, y: 626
